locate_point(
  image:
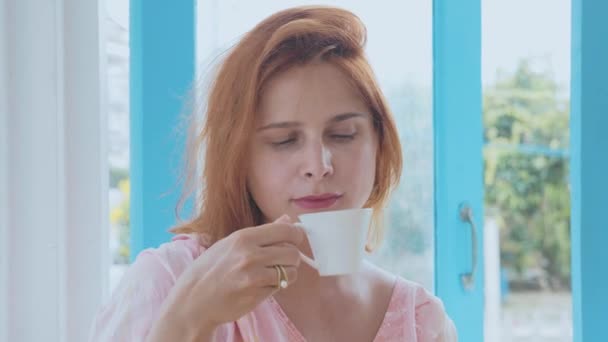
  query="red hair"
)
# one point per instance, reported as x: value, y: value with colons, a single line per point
x: 288, y: 38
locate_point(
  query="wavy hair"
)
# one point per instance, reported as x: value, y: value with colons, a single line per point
x: 288, y: 38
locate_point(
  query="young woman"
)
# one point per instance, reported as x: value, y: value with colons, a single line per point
x: 295, y: 123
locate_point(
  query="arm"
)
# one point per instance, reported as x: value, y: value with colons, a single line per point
x: 167, y: 329
x: 174, y: 325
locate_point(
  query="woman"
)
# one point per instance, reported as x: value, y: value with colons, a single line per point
x: 295, y: 123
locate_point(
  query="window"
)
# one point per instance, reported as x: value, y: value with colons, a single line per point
x: 403, y: 66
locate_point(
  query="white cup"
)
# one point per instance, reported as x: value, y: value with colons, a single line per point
x: 337, y: 239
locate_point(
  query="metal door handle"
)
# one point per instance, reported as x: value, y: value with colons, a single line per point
x: 466, y: 215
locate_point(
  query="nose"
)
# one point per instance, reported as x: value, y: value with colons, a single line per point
x: 317, y: 162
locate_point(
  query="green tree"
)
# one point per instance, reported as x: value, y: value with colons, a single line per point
x: 526, y: 173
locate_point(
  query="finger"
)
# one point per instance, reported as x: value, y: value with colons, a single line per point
x: 265, y: 292
x: 272, y: 276
x: 275, y: 233
x: 273, y: 285
x: 283, y: 254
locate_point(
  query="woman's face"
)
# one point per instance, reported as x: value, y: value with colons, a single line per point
x: 314, y: 145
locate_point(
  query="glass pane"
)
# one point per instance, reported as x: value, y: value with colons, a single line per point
x: 117, y: 59
x: 526, y: 76
x: 400, y: 51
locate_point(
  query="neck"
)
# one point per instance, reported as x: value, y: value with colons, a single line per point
x: 310, y: 285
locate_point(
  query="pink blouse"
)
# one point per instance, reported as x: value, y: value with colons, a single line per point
x: 413, y: 314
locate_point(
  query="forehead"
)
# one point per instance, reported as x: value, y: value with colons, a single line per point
x: 317, y: 90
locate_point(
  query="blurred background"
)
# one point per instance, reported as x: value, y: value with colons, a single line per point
x: 526, y: 77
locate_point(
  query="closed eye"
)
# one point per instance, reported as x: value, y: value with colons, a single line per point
x: 285, y: 142
x: 343, y: 137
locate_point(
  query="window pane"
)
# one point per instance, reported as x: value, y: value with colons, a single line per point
x: 400, y: 51
x: 526, y: 76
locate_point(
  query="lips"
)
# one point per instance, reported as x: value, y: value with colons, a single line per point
x: 322, y: 201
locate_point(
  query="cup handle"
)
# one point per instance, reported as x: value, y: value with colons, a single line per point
x: 304, y: 258
x: 309, y: 261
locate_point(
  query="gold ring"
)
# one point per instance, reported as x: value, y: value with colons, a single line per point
x: 285, y: 279
x: 279, y: 276
x: 282, y: 277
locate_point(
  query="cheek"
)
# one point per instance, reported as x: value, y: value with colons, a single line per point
x: 358, y: 167
x: 267, y: 176
x: 362, y: 158
x: 367, y: 167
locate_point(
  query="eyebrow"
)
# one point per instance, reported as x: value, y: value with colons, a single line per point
x: 290, y: 124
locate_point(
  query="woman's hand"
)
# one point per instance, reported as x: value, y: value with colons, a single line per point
x: 233, y: 276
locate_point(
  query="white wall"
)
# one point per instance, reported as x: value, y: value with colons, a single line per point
x: 53, y: 170
x: 3, y: 176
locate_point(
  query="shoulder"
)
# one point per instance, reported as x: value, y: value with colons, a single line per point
x: 410, y: 307
x: 164, y: 264
x: 133, y: 306
x: 155, y: 270
x: 173, y: 257
x: 429, y: 315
